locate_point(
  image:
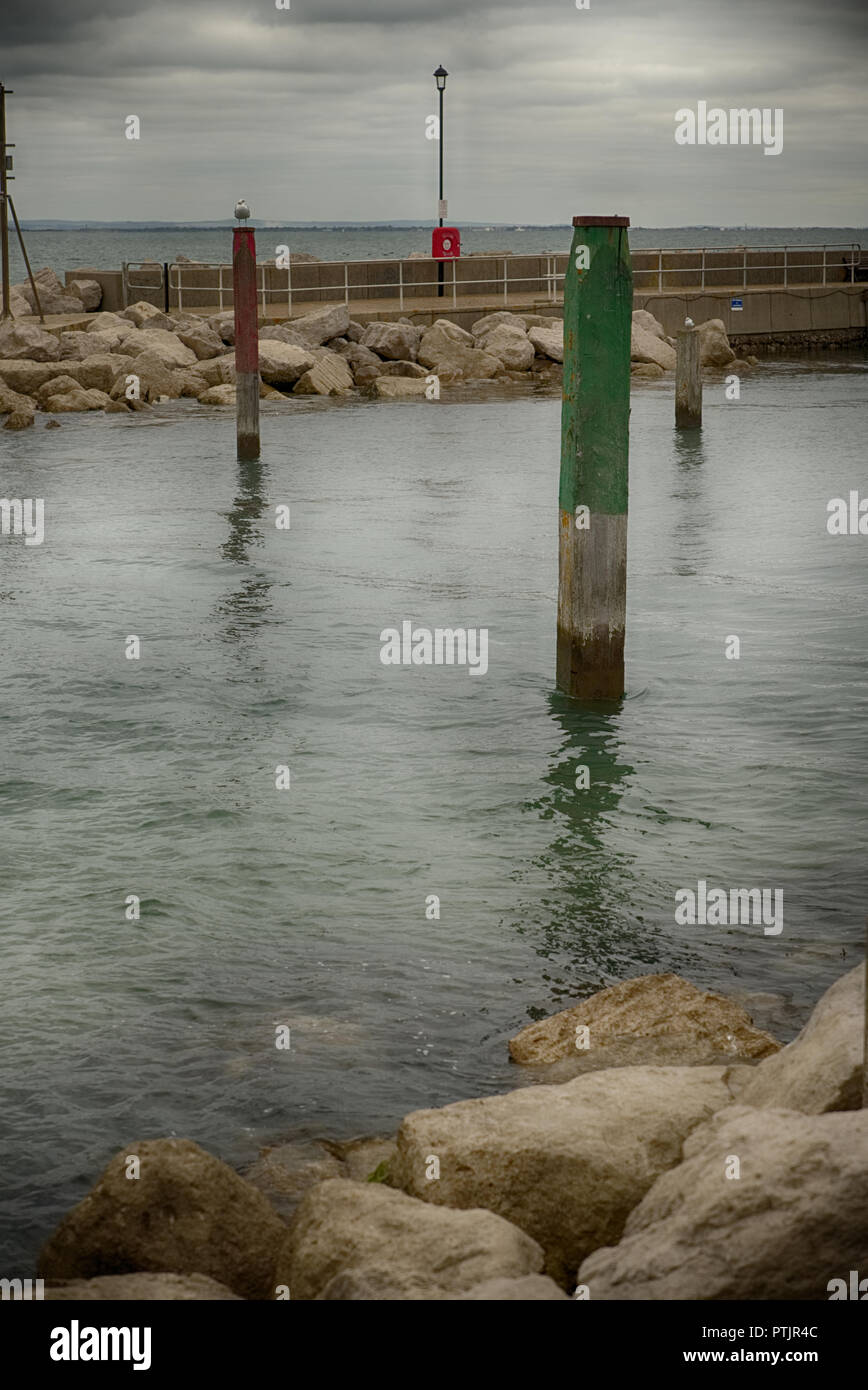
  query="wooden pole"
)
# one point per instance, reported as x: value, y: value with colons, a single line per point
x: 688, y: 380
x: 4, y: 220
x: 246, y: 342
x: 595, y: 417
x: 865, y: 1053
x: 26, y: 258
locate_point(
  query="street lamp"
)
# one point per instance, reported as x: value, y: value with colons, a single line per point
x: 440, y: 77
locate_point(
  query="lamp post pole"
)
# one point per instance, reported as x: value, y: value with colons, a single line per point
x: 440, y: 77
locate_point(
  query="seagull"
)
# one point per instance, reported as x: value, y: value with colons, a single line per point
x: 242, y: 211
x: 688, y: 323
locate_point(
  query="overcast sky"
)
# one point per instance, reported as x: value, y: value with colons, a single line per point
x: 319, y: 112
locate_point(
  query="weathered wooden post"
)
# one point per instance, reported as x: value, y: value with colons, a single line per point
x: 246, y: 337
x: 865, y: 1054
x: 595, y: 419
x: 688, y: 379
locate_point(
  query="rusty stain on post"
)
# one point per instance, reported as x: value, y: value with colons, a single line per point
x: 592, y: 582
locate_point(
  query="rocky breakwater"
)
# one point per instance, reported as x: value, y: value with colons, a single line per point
x: 128, y: 361
x: 659, y: 1145
x: 80, y: 296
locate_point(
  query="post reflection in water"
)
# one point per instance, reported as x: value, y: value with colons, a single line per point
x: 694, y: 520
x: 592, y: 925
x: 245, y: 608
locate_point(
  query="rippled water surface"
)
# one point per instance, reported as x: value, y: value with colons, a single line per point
x: 307, y: 907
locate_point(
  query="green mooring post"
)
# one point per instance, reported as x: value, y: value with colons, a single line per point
x: 595, y: 421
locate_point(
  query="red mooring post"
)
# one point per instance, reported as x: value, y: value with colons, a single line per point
x: 246, y: 342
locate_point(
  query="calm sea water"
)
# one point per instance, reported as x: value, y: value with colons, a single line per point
x: 107, y: 249
x: 307, y: 907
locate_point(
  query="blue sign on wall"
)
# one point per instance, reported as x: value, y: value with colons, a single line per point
x: 736, y: 304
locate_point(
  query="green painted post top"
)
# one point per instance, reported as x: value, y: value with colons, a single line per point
x: 595, y: 418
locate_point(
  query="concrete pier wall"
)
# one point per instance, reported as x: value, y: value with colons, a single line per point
x: 812, y: 313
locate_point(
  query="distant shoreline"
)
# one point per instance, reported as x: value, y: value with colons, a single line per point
x: 59, y: 225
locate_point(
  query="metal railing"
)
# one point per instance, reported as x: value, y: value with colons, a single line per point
x: 702, y: 268
x: 505, y: 284
x: 835, y: 256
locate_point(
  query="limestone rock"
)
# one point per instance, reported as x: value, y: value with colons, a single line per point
x: 566, y: 1164
x: 217, y: 395
x: 186, y: 1213
x: 100, y: 370
x: 821, y: 1069
x: 190, y: 381
x: 213, y: 370
x: 396, y: 342
x: 485, y: 325
x: 794, y: 1219
x: 647, y: 369
x: 19, y: 374
x: 109, y: 322
x: 317, y: 327
x: 364, y: 364
x: 78, y: 399
x: 532, y: 1288
x: 647, y: 347
x: 510, y: 345
x: 285, y: 1172
x: 548, y: 342
x: 541, y: 321
x: 646, y: 320
x: 329, y: 376
x: 442, y: 335
x: 57, y: 386
x: 648, y: 1006
x: 408, y: 1249
x: 18, y: 420
x: 88, y: 291
x: 354, y: 332
x: 18, y: 339
x: 268, y: 393
x: 282, y: 333
x: 141, y: 1288
x: 714, y: 348
x: 159, y: 342
x: 54, y: 297
x: 405, y: 369
x: 661, y: 1051
x: 18, y: 305
x: 52, y: 424
x: 223, y: 325
x: 145, y: 315
x: 398, y: 388
x: 444, y: 352
x: 201, y: 340
x: 153, y: 377
x: 12, y: 401
x: 76, y: 343
x: 282, y: 364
